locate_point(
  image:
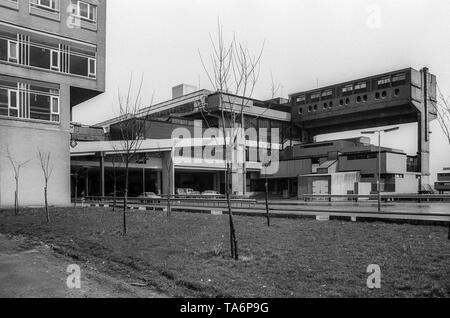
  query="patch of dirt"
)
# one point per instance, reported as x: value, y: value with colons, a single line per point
x: 34, y: 270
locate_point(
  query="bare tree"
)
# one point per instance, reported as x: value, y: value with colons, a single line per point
x: 17, y: 166
x: 274, y: 91
x: 129, y: 135
x: 443, y: 115
x: 233, y: 74
x: 47, y: 170
x: 169, y: 167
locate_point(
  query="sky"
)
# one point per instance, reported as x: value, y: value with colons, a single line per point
x: 306, y: 43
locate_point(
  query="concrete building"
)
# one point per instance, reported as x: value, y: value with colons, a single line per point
x: 343, y: 167
x: 52, y: 58
x: 193, y: 114
x: 398, y: 97
x: 443, y: 183
x: 303, y: 166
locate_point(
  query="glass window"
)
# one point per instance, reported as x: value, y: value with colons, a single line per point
x: 399, y: 78
x: 48, y: 4
x: 3, y: 49
x: 87, y: 11
x: 39, y: 57
x: 4, y: 102
x: 348, y: 89
x: 55, y: 60
x: 79, y: 65
x: 384, y: 82
x: 360, y: 86
x: 39, y: 106
x: 92, y: 68
x: 13, y: 51
x: 327, y: 93
x: 12, y: 99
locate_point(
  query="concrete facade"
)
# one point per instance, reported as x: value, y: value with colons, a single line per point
x: 61, y: 51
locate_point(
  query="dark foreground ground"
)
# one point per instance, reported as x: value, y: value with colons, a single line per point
x: 187, y: 255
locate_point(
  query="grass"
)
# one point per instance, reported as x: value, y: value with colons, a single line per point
x: 187, y: 255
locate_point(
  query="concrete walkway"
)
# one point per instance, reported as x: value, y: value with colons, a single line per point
x: 29, y: 270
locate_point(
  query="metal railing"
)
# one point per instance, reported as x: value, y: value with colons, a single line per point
x: 384, y: 197
x: 178, y: 200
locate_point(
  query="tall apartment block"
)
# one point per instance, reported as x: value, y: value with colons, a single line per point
x: 52, y: 58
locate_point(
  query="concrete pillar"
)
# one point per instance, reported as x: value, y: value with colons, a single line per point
x: 158, y: 183
x: 86, y: 184
x: 424, y: 132
x: 143, y: 180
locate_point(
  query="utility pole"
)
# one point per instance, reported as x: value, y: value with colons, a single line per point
x: 379, y: 131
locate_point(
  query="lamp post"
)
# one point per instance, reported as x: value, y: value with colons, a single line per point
x: 373, y: 132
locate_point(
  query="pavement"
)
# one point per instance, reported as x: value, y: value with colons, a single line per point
x: 32, y: 270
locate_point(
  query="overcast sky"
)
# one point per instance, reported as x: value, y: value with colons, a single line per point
x: 307, y: 42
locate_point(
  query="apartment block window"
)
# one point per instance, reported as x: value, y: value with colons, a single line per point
x: 13, y: 51
x: 87, y: 11
x: 315, y: 96
x: 327, y: 93
x: 92, y: 68
x: 399, y: 78
x: 55, y: 108
x: 51, y: 5
x: 348, y: 89
x: 301, y: 99
x: 360, y: 86
x: 25, y: 101
x: 4, y: 102
x: 55, y: 60
x: 384, y: 82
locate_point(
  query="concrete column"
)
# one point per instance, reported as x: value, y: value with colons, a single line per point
x: 86, y: 184
x: 158, y: 182
x: 424, y: 132
x: 143, y: 180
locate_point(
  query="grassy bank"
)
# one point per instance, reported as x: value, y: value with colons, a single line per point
x: 187, y: 254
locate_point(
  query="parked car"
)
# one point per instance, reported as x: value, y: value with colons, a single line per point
x: 187, y: 192
x: 119, y: 194
x: 149, y: 195
x: 211, y: 193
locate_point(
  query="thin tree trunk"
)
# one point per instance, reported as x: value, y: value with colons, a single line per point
x: 16, y: 205
x: 76, y: 193
x: 267, y: 202
x: 125, y: 202
x: 115, y: 196
x: 233, y: 240
x: 169, y: 212
x: 47, y: 214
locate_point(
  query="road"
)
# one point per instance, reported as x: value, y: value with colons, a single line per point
x: 31, y: 270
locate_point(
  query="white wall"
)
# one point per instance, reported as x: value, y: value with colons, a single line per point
x: 24, y: 140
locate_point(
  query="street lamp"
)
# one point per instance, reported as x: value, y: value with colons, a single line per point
x: 373, y: 132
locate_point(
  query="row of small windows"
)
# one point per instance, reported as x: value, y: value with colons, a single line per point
x: 355, y: 88
x: 346, y: 101
x: 59, y: 58
x: 25, y: 101
x: 80, y: 9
